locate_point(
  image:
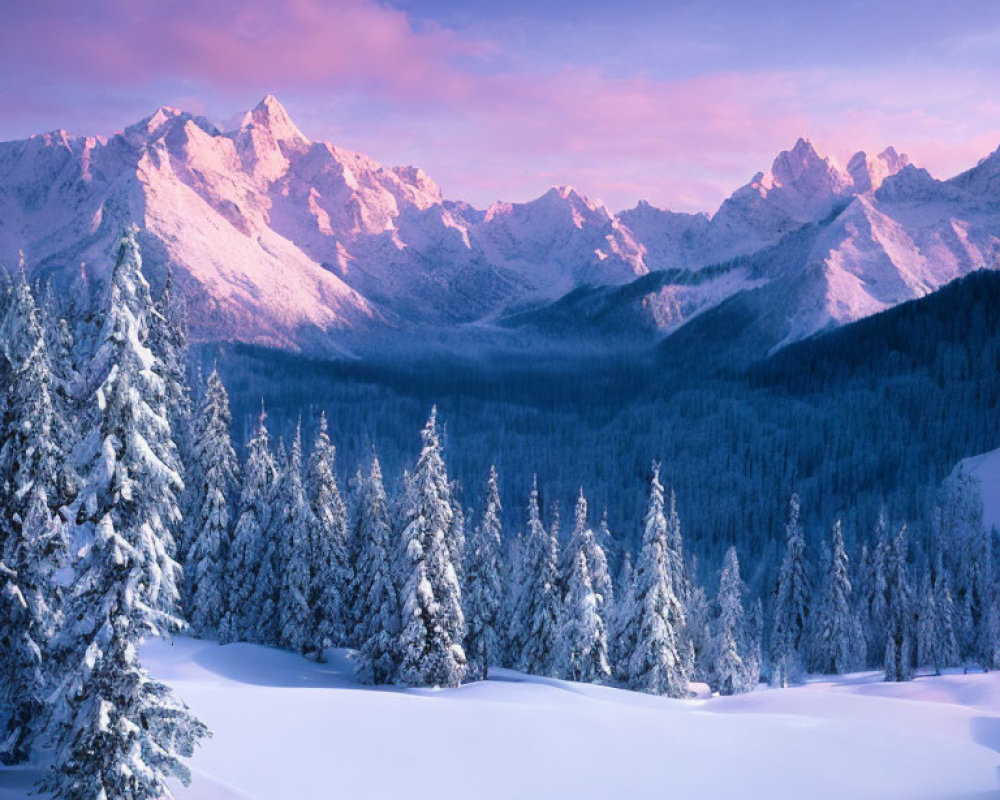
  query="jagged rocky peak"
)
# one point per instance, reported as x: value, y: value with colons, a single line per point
x: 806, y: 170
x: 271, y: 117
x: 869, y: 174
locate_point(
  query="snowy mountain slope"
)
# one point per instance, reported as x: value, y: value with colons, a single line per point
x: 516, y: 736
x: 283, y: 241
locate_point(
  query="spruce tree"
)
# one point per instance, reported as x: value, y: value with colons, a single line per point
x: 483, y: 593
x: 899, y: 620
x: 838, y: 640
x: 216, y: 472
x: 22, y: 682
x: 378, y: 628
x: 247, y: 552
x: 622, y: 637
x: 297, y: 630
x: 584, y: 653
x: 30, y: 452
x: 169, y: 344
x: 431, y: 651
x: 583, y: 540
x: 129, y: 462
x: 118, y: 733
x: 330, y: 576
x: 535, y: 622
x: 791, y: 604
x: 656, y: 664
x: 735, y: 669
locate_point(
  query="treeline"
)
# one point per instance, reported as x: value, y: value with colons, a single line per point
x: 126, y: 512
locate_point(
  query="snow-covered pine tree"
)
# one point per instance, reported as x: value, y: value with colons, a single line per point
x: 899, y: 612
x: 129, y: 463
x: 22, y: 682
x: 583, y: 540
x: 216, y: 470
x: 30, y: 452
x: 838, y: 644
x: 117, y: 732
x: 791, y: 606
x: 296, y: 623
x: 514, y: 560
x: 330, y: 577
x: 456, y: 533
x: 656, y: 665
x: 483, y: 593
x: 247, y: 552
x: 29, y: 618
x: 734, y: 669
x: 535, y: 624
x: 584, y: 647
x: 377, y: 633
x: 871, y: 592
x: 675, y: 549
x: 698, y: 633
x: 622, y: 637
x: 431, y: 651
x: 168, y: 341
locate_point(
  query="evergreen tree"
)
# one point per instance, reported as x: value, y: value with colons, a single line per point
x: 247, y: 553
x: 483, y: 586
x: 378, y: 604
x: 622, y: 638
x: 698, y: 634
x: 838, y: 640
x: 535, y: 622
x: 735, y: 669
x: 33, y: 612
x: 791, y: 603
x: 30, y: 452
x: 899, y: 622
x: 656, y: 664
x: 169, y: 343
x: 583, y: 540
x: 871, y: 595
x: 22, y: 682
x: 129, y: 460
x: 331, y: 575
x: 584, y: 653
x: 456, y: 534
x: 216, y: 472
x: 431, y: 651
x: 118, y: 733
x: 296, y: 628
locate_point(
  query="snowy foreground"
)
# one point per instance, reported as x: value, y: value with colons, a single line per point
x: 287, y: 728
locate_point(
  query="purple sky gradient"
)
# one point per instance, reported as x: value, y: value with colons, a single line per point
x: 673, y: 102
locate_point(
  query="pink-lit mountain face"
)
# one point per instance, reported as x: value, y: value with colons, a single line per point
x: 279, y: 240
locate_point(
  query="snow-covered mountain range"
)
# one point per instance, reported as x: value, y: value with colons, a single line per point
x: 283, y: 241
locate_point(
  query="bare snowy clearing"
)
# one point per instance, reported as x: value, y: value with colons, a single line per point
x: 285, y: 727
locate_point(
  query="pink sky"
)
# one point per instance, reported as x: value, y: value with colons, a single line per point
x: 673, y: 102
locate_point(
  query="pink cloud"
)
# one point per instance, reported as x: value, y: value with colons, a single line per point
x: 238, y: 44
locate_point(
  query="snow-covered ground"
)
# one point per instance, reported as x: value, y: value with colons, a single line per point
x: 288, y: 729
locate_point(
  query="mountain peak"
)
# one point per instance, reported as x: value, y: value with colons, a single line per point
x: 271, y: 116
x: 869, y: 174
x: 804, y: 165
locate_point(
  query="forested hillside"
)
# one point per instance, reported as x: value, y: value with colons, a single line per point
x: 876, y: 411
